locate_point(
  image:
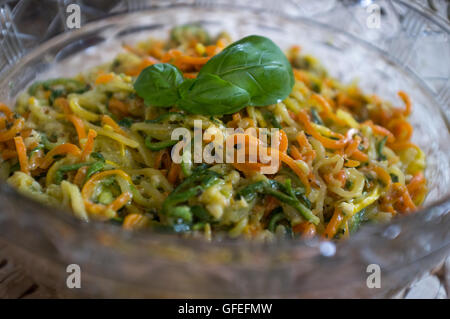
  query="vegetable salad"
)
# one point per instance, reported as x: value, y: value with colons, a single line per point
x: 101, y: 143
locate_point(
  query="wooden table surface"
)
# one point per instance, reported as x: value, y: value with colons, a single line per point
x: 15, y: 283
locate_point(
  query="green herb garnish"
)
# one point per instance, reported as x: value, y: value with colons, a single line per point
x: 252, y: 71
x: 158, y: 84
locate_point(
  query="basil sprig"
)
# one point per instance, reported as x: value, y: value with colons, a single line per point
x: 250, y: 72
x: 210, y: 95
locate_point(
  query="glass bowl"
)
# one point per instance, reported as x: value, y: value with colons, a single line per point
x: 409, y: 51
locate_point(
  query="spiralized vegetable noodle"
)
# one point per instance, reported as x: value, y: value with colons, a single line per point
x: 91, y: 144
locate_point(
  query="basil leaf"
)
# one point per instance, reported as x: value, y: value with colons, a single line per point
x: 158, y: 84
x: 210, y: 95
x: 256, y: 65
